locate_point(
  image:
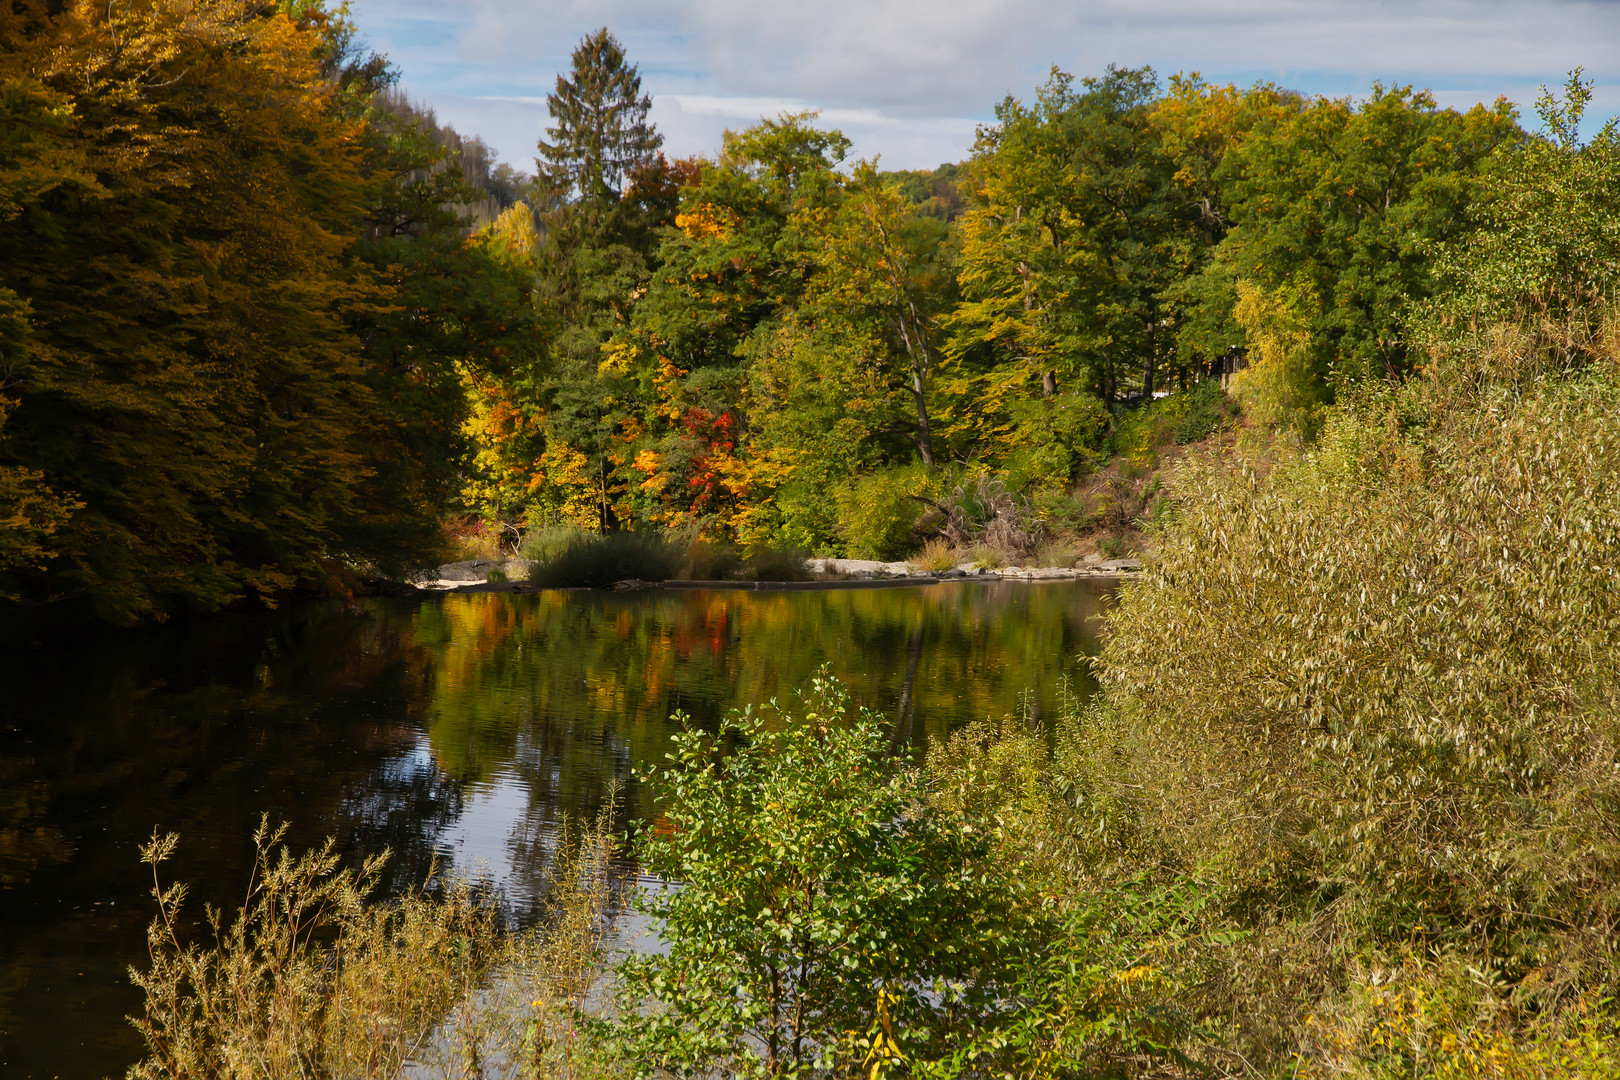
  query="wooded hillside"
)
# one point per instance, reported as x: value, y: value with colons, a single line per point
x: 267, y: 325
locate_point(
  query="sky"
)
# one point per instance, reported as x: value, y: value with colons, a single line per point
x: 910, y: 81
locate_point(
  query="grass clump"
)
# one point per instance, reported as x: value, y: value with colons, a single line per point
x: 936, y: 557
x: 545, y: 543
x: 596, y: 560
x: 569, y: 557
x: 984, y: 557
x: 537, y: 1015
x: 767, y: 563
x: 1057, y: 552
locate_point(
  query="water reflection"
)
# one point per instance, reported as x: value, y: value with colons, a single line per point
x: 462, y: 727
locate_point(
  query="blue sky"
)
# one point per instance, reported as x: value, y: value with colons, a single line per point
x: 911, y: 80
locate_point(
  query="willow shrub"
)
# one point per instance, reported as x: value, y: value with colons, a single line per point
x: 1442, y: 1018
x: 1374, y: 680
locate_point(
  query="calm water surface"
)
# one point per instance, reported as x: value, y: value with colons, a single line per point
x: 459, y: 726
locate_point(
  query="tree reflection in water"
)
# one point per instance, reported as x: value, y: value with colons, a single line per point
x: 460, y: 727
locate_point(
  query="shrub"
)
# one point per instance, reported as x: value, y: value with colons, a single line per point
x: 801, y: 515
x: 1445, y: 1017
x: 1207, y: 411
x: 1104, y: 990
x: 1373, y: 680
x: 469, y: 539
x: 1111, y: 545
x: 1141, y: 431
x: 1281, y: 388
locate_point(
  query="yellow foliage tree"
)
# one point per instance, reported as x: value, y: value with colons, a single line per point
x: 1279, y: 388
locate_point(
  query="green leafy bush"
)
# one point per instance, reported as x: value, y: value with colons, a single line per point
x: 802, y: 515
x: 1111, y: 546
x: 1207, y: 411
x: 838, y: 912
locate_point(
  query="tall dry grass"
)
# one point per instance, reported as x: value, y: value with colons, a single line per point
x: 313, y: 977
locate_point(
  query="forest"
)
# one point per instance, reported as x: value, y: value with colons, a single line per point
x: 1345, y: 801
x: 385, y: 346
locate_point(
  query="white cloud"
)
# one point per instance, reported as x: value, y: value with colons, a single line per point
x: 911, y: 78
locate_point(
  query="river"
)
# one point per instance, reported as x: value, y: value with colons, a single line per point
x: 462, y: 727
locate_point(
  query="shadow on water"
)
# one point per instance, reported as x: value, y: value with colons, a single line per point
x: 459, y: 727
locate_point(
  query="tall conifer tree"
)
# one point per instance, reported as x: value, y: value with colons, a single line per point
x: 601, y: 170
x: 602, y: 136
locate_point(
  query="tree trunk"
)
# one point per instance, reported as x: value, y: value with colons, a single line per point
x: 1048, y: 383
x: 925, y: 439
x: 1147, y: 372
x: 913, y: 334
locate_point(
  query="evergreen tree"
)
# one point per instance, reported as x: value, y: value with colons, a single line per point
x: 602, y: 137
x: 608, y: 191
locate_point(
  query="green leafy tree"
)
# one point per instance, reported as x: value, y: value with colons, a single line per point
x: 1344, y: 202
x: 1074, y: 234
x: 1544, y: 257
x: 1198, y: 126
x: 819, y: 924
x: 872, y: 263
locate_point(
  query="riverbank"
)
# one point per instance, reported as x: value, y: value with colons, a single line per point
x: 510, y: 575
